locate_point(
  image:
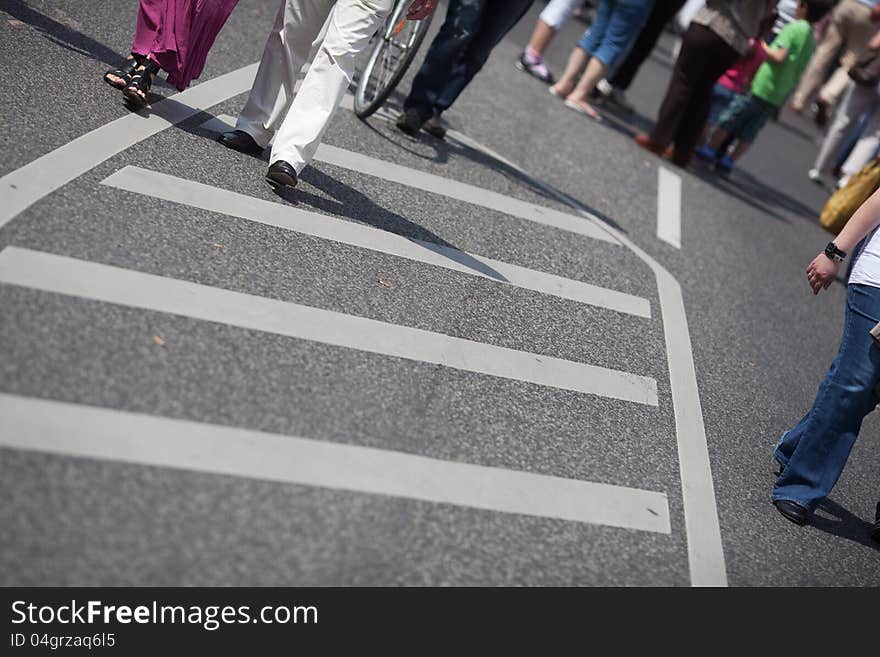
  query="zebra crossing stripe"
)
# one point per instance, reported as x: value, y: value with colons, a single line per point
x: 89, y: 280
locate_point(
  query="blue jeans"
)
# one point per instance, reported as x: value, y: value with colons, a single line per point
x: 615, y: 29
x: 813, y: 454
x: 471, y: 30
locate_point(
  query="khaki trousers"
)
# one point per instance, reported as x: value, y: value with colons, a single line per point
x: 850, y: 26
x: 297, y: 121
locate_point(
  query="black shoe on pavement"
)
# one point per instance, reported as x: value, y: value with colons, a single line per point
x: 875, y: 529
x: 410, y: 122
x: 792, y: 511
x: 434, y: 127
x: 281, y: 174
x: 239, y: 140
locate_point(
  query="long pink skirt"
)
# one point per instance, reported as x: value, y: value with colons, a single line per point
x: 177, y: 34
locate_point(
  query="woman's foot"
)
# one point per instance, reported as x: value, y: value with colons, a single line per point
x: 139, y: 86
x: 582, y: 107
x: 561, y: 89
x: 119, y: 78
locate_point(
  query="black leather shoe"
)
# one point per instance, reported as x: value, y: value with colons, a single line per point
x: 281, y: 174
x: 793, y: 511
x: 875, y: 529
x: 239, y: 140
x: 410, y: 122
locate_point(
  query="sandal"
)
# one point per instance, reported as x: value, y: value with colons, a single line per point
x: 124, y: 72
x: 137, y: 89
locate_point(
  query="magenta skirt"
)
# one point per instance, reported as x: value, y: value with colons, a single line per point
x: 177, y: 34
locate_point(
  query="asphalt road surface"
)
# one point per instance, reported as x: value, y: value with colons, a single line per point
x: 530, y: 354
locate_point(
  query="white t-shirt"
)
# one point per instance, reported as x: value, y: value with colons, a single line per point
x: 866, y: 266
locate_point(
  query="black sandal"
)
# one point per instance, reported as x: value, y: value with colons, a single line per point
x: 125, y: 72
x: 141, y: 81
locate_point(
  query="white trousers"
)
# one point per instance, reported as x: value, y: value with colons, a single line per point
x: 857, y: 101
x: 298, y: 121
x: 558, y: 11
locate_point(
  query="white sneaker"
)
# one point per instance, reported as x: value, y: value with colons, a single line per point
x: 604, y: 87
x: 843, y: 181
x: 815, y: 175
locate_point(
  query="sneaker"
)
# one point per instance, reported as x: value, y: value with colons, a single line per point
x: 536, y: 69
x: 604, y: 87
x: 724, y: 165
x: 815, y: 175
x: 843, y: 181
x: 410, y: 122
x: 707, y: 153
x: 434, y: 127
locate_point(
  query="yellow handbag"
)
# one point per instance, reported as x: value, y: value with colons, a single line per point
x: 846, y: 200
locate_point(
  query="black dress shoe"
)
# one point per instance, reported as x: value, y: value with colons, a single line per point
x: 281, y: 174
x: 793, y: 511
x: 875, y: 529
x: 239, y: 140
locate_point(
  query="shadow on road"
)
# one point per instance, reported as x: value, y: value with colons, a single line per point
x: 844, y: 524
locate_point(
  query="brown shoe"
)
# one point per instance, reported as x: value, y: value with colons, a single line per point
x: 672, y: 155
x: 645, y: 142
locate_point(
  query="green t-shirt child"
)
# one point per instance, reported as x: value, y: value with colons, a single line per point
x: 774, y: 81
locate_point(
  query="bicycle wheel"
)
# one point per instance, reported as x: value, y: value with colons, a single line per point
x: 394, y: 47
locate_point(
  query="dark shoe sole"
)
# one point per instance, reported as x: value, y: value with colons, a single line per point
x: 279, y: 179
x: 253, y: 149
x: 796, y: 518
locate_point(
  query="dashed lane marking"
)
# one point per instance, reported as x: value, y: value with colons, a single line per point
x: 669, y: 207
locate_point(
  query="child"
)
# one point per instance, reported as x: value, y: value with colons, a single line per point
x: 787, y: 57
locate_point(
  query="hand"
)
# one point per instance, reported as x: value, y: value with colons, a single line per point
x: 821, y: 272
x: 420, y: 8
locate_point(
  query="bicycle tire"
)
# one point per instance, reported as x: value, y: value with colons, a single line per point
x: 364, y: 108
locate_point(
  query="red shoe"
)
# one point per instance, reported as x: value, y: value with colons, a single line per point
x: 645, y: 142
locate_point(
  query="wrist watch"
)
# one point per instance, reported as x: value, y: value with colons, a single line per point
x: 834, y: 253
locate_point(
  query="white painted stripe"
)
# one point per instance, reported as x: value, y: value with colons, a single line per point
x: 206, y: 197
x: 669, y: 207
x: 28, y: 184
x: 96, y: 433
x: 88, y: 280
x: 434, y: 184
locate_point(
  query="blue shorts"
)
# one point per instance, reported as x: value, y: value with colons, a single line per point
x: 721, y: 98
x: 745, y: 116
x: 615, y: 29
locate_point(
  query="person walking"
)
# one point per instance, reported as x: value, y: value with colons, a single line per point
x: 717, y: 36
x: 810, y: 457
x: 297, y: 121
x: 747, y: 114
x: 614, y: 30
x: 467, y: 37
x: 851, y: 26
x: 554, y: 15
x: 859, y: 99
x: 172, y: 36
x: 615, y: 86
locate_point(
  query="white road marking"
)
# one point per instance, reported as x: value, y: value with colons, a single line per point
x: 434, y: 184
x: 25, y: 186
x: 89, y: 280
x: 669, y: 207
x: 206, y: 197
x: 705, y: 548
x: 97, y: 433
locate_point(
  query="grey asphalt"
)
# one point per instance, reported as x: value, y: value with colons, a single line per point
x: 761, y: 341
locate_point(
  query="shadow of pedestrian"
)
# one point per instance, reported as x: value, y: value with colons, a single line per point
x: 843, y: 524
x: 352, y: 204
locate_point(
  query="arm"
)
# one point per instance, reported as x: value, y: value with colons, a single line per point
x: 776, y: 55
x: 823, y: 270
x: 420, y: 8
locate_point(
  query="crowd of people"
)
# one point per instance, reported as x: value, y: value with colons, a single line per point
x: 739, y: 63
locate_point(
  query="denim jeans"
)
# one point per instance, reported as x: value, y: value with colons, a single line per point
x: 471, y: 30
x: 813, y: 453
x: 615, y: 29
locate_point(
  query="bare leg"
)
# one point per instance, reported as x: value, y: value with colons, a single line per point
x: 596, y: 70
x: 577, y: 61
x: 740, y: 149
x: 541, y: 38
x: 718, y: 138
